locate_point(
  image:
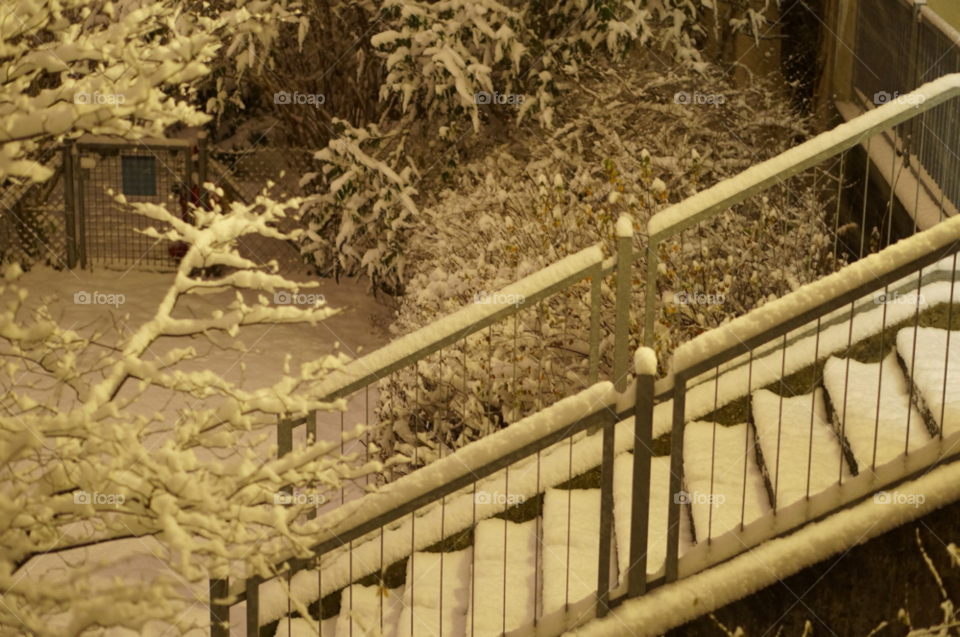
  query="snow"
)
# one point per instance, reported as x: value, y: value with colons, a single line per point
x: 757, y: 178
x: 787, y: 435
x: 769, y: 562
x: 299, y: 627
x: 458, y: 324
x: 659, y: 508
x: 625, y: 226
x: 438, y: 586
x: 368, y: 610
x: 929, y: 366
x: 703, y: 396
x: 863, y: 419
x: 645, y: 362
x: 714, y: 457
x: 517, y: 564
x: 810, y: 296
x: 571, y: 546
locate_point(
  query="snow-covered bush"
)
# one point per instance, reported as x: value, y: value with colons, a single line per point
x: 365, y: 203
x: 506, y: 222
x: 87, y: 458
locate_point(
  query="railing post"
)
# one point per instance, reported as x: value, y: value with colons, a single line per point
x: 676, y: 478
x: 69, y: 212
x: 80, y: 206
x: 650, y: 311
x: 311, y: 426
x: 645, y: 364
x: 621, y: 341
x: 219, y: 612
x: 912, y: 80
x: 202, y: 167
x: 606, y: 517
x: 595, y: 302
x: 284, y: 438
x: 253, y: 606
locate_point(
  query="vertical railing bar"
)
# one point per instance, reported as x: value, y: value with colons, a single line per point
x: 506, y: 500
x: 350, y: 566
x: 595, y: 306
x: 836, y: 220
x: 746, y: 441
x: 343, y: 495
x: 946, y: 356
x: 813, y: 408
x: 676, y: 474
x: 650, y: 310
x: 783, y: 388
x: 622, y: 327
x: 713, y: 452
x: 252, y: 586
x: 913, y: 358
x: 916, y: 204
x: 606, y: 517
x: 883, y: 354
x: 893, y: 184
x: 846, y: 386
x: 473, y: 570
x: 566, y: 599
x: 866, y: 189
x: 640, y: 500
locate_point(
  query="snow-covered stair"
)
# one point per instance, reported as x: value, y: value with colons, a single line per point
x: 803, y: 450
x: 491, y: 611
x: 424, y: 601
x: 659, y: 508
x: 368, y: 610
x: 571, y: 536
x: 714, y: 458
x: 299, y: 627
x: 927, y: 375
x: 864, y: 419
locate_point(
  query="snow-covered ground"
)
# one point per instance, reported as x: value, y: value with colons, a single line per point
x: 358, y: 329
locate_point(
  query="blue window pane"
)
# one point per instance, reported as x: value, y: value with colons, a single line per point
x: 139, y: 176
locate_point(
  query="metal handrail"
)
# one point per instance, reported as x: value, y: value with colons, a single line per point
x: 711, y: 202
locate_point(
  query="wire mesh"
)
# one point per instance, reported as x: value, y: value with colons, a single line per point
x: 112, y: 234
x: 32, y: 226
x: 245, y: 175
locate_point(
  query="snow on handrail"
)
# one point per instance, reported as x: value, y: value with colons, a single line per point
x: 449, y: 329
x: 729, y: 192
x: 469, y: 461
x: 815, y: 294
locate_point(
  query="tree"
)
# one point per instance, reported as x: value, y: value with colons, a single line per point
x: 77, y: 465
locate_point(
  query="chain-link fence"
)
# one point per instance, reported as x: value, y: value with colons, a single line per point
x: 32, y: 223
x: 245, y: 175
x: 36, y: 219
x: 110, y: 234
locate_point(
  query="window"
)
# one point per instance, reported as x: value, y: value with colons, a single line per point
x: 139, y: 176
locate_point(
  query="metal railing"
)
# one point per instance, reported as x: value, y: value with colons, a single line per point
x: 343, y: 530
